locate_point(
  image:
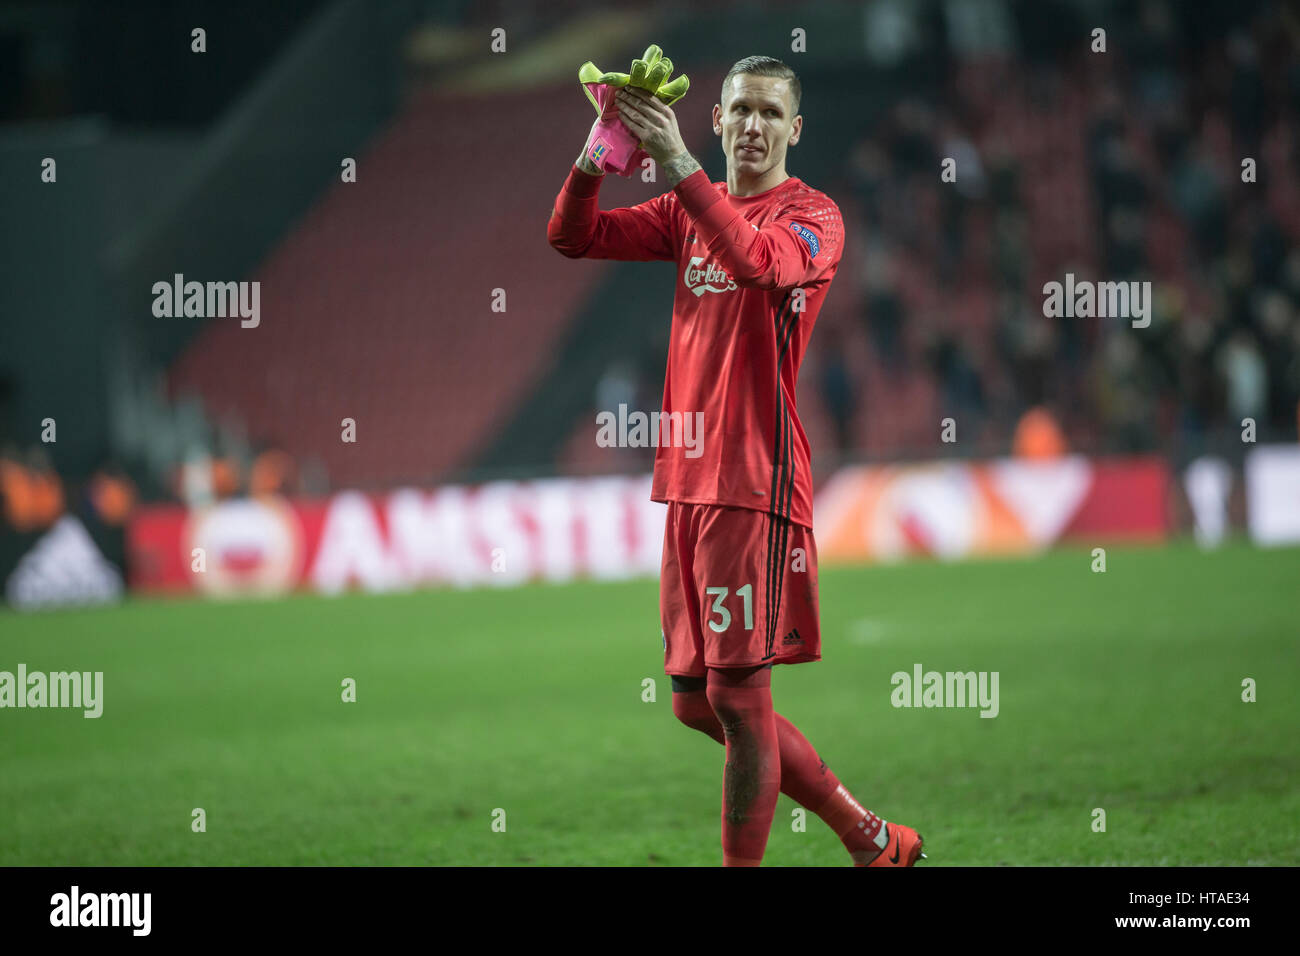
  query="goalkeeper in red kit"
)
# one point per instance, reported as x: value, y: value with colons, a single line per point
x: 738, y: 591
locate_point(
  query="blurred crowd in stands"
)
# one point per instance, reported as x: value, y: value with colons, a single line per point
x: 1127, y: 165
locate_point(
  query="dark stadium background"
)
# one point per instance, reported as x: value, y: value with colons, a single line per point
x: 377, y: 305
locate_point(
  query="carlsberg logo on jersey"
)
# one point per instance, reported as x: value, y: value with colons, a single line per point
x: 708, y: 278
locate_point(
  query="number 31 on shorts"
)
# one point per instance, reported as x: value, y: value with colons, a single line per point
x: 746, y: 593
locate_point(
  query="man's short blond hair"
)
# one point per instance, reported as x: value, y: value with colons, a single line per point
x: 766, y: 66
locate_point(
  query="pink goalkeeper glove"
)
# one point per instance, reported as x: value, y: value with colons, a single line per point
x: 611, y: 145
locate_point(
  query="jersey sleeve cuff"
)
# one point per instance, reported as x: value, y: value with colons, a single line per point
x: 581, y: 184
x: 696, y: 194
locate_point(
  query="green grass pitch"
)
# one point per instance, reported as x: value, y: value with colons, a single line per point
x: 1119, y: 690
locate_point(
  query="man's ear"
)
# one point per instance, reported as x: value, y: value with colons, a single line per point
x: 796, y: 131
x: 717, y: 119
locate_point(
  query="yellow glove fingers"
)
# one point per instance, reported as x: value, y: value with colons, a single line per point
x: 658, y: 73
x: 643, y: 70
x: 638, y: 75
x: 670, y: 93
x: 650, y: 73
x: 590, y: 73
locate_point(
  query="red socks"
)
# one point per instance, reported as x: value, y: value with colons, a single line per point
x: 857, y: 827
x: 751, y: 779
x: 803, y: 776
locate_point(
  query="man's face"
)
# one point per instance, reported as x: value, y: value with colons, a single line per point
x: 756, y: 123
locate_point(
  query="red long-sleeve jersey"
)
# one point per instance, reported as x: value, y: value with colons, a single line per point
x: 753, y: 274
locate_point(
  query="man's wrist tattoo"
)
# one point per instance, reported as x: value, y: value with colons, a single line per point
x: 679, y: 167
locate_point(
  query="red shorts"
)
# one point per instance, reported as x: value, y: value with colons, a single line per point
x: 738, y: 589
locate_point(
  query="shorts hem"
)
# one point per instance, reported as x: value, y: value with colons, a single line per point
x: 800, y: 659
x: 742, y: 505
